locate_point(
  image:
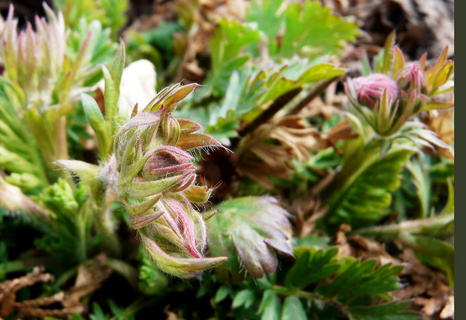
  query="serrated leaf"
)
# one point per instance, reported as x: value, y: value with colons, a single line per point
x: 294, y: 75
x: 361, y: 193
x: 388, y: 311
x: 327, y: 37
x: 227, y: 49
x: 250, y: 231
x: 268, y: 18
x: 312, y: 266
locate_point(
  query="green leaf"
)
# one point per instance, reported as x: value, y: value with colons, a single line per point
x: 293, y: 309
x: 423, y: 184
x: 227, y: 49
x: 270, y: 307
x: 68, y: 234
x: 244, y: 298
x: 222, y: 293
x: 388, y: 311
x: 268, y: 18
x: 97, y: 122
x: 325, y: 33
x: 312, y: 266
x: 89, y: 173
x: 250, y: 231
x: 388, y: 53
x: 450, y: 206
x: 361, y: 193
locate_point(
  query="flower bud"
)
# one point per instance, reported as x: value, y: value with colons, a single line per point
x: 156, y: 183
x: 370, y: 89
x: 411, y: 78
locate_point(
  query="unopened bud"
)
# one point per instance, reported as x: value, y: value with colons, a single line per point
x: 370, y: 89
x: 410, y: 78
x: 156, y: 183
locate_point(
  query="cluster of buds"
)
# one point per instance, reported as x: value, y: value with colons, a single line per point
x: 36, y: 63
x: 390, y: 98
x: 155, y: 177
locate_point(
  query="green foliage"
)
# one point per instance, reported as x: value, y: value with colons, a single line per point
x: 151, y: 280
x: 324, y: 34
x: 226, y: 51
x: 281, y: 49
x: 239, y: 85
x: 156, y: 45
x: 98, y: 314
x: 361, y: 195
x: 105, y: 128
x: 309, y: 29
x: 252, y: 87
x: 319, y: 284
x: 67, y: 234
x: 110, y: 13
x: 101, y: 48
x: 18, y: 153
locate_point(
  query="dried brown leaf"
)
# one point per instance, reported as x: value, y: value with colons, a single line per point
x: 441, y: 122
x: 88, y: 280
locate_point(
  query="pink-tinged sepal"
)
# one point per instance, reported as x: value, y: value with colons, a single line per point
x: 177, y: 266
x: 142, y: 221
x: 188, y: 126
x: 196, y: 140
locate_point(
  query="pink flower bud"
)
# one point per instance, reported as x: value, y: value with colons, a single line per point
x: 411, y: 77
x: 168, y: 161
x: 370, y: 89
x: 156, y: 184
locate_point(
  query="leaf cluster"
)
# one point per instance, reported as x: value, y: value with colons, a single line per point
x: 319, y: 284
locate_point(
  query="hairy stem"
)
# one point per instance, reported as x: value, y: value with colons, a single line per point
x: 423, y: 226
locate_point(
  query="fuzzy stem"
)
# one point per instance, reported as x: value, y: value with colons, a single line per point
x: 424, y: 226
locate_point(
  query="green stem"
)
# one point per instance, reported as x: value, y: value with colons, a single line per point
x: 61, y: 143
x: 296, y: 292
x: 426, y: 226
x: 130, y: 273
x: 139, y: 304
x: 106, y: 229
x: 310, y: 296
x: 354, y: 165
x: 22, y: 265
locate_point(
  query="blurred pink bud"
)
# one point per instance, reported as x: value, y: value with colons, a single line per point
x: 411, y: 77
x: 370, y: 89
